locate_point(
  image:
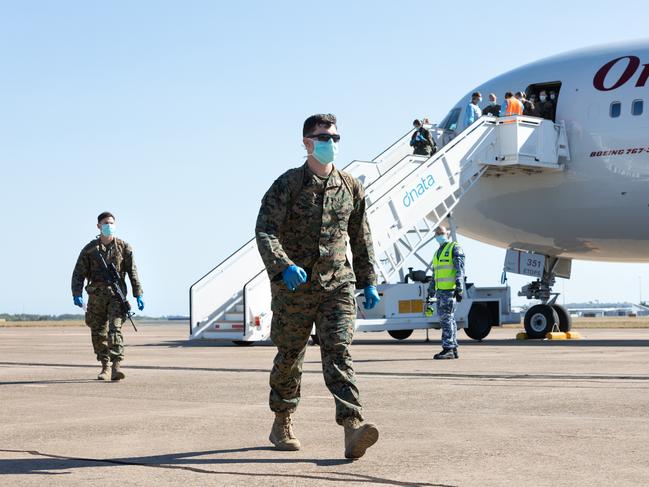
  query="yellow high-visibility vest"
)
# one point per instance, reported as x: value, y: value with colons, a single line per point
x: 445, y: 272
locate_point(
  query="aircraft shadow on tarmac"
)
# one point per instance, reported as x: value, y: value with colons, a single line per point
x: 50, y: 464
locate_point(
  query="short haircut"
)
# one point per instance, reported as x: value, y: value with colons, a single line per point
x: 416, y: 122
x: 476, y: 94
x: 314, y: 121
x: 105, y: 214
x: 508, y: 94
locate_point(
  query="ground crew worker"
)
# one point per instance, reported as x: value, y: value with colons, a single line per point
x: 511, y: 106
x: 493, y: 108
x: 528, y: 105
x: 305, y: 221
x: 104, y: 315
x: 472, y: 111
x: 448, y: 274
x: 421, y: 140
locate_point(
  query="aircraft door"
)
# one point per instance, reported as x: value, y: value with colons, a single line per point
x: 548, y: 108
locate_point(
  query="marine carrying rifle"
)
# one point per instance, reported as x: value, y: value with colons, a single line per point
x: 112, y: 276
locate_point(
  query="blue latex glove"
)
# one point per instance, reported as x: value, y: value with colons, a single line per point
x: 371, y: 297
x: 78, y: 301
x: 140, y: 303
x: 293, y: 276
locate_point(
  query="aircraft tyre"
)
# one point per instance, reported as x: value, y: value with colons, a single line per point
x: 565, y: 321
x: 242, y: 343
x: 539, y: 320
x: 479, y: 322
x: 400, y: 334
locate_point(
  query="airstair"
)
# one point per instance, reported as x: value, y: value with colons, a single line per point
x: 407, y: 197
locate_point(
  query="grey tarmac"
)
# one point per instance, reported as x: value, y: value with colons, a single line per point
x: 506, y: 413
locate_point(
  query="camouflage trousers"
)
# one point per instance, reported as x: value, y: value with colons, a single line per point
x: 104, y: 317
x: 446, y: 312
x: 334, y: 314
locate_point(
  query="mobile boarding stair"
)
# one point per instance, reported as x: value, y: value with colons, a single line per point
x: 407, y: 197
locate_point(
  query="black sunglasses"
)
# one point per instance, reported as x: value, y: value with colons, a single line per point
x: 325, y: 137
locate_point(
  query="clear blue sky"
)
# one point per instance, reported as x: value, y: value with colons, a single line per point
x: 177, y: 116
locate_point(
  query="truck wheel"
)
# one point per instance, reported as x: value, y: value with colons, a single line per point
x: 242, y: 343
x: 400, y: 334
x: 479, y: 322
x: 565, y: 321
x: 315, y: 339
x: 539, y: 320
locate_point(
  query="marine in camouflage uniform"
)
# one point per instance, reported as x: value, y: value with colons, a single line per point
x: 306, y: 220
x: 104, y: 314
x: 446, y: 297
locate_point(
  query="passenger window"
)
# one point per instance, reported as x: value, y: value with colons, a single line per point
x: 616, y: 109
x: 636, y: 107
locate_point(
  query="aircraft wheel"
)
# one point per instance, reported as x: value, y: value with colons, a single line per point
x: 539, y: 320
x: 479, y: 322
x: 565, y: 321
x: 242, y: 343
x: 315, y: 339
x: 400, y: 334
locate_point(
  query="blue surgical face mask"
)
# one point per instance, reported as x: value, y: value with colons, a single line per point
x: 108, y: 229
x: 325, y: 152
x: 441, y: 239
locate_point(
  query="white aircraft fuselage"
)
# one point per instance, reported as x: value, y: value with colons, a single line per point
x: 598, y: 208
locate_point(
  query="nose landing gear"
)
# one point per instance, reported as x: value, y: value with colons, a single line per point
x: 540, y: 319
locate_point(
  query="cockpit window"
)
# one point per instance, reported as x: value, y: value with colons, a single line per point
x: 637, y: 107
x: 450, y: 122
x: 616, y: 109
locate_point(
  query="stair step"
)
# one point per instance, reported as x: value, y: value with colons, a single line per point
x: 233, y: 317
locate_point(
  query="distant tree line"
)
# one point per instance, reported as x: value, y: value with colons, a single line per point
x: 71, y: 317
x: 31, y: 317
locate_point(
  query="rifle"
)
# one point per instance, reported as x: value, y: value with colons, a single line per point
x: 112, y: 276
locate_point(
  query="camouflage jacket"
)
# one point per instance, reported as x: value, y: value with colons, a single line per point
x: 89, y: 267
x: 307, y: 221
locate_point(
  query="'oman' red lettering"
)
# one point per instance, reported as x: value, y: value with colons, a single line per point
x: 629, y: 71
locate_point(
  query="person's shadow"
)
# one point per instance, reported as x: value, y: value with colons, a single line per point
x: 50, y: 464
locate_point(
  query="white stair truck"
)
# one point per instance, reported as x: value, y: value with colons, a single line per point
x: 407, y: 197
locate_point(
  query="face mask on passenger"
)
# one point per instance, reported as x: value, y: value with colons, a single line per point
x: 542, y: 97
x: 552, y: 96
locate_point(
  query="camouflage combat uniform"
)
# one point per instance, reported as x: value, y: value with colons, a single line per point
x: 104, y: 314
x: 307, y: 221
x: 445, y: 299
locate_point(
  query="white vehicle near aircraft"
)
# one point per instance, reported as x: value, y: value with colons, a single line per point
x: 549, y: 191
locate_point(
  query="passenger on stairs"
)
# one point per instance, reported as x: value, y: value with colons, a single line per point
x: 528, y: 106
x: 493, y: 108
x: 472, y: 112
x: 421, y: 140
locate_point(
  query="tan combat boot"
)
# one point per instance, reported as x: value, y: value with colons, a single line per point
x: 358, y: 437
x: 282, y: 433
x: 105, y: 371
x: 117, y: 373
